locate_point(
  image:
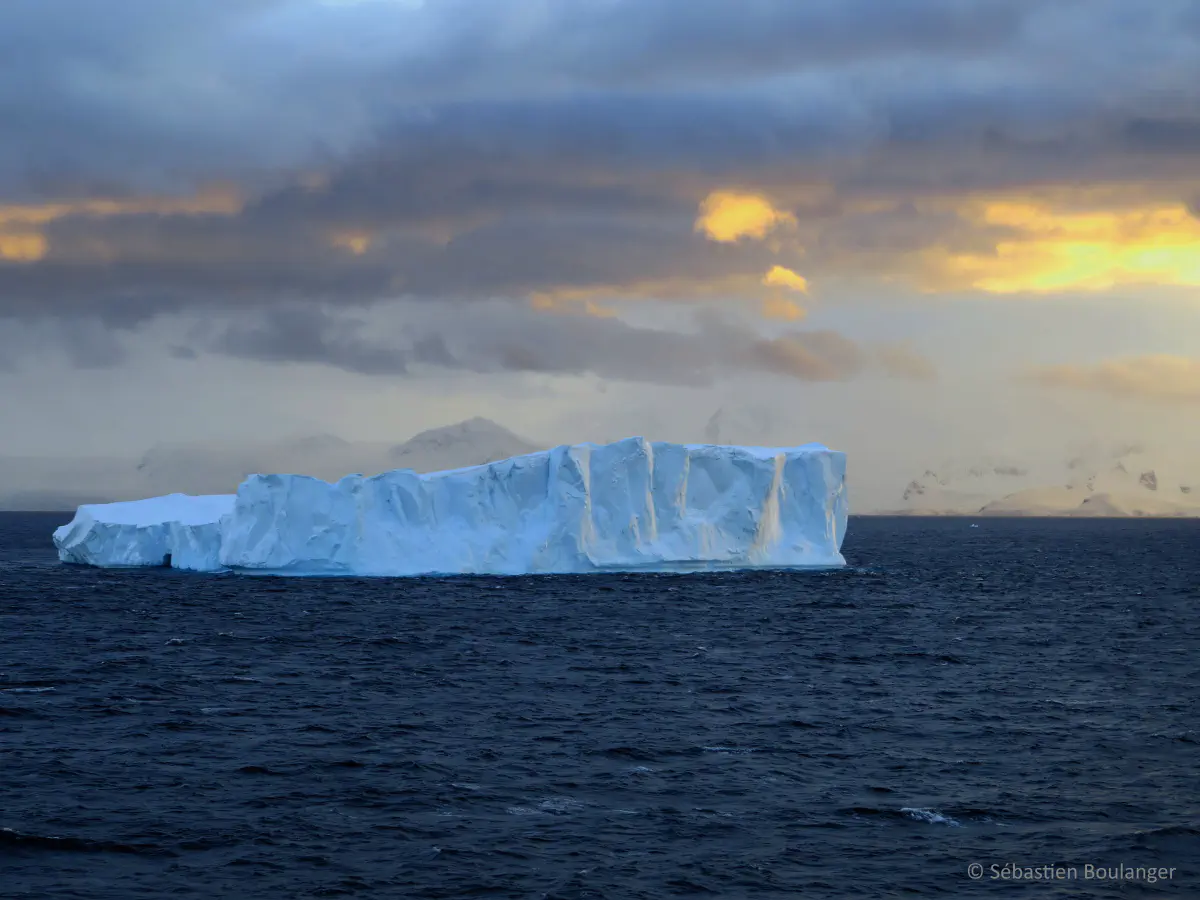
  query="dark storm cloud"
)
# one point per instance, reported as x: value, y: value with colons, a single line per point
x: 476, y: 148
x: 90, y: 86
x: 137, y: 267
x: 640, y: 41
x: 218, y: 87
x: 308, y: 335
x: 95, y: 95
x: 1171, y: 136
x: 491, y: 338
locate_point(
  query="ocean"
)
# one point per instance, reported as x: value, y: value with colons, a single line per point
x: 970, y: 708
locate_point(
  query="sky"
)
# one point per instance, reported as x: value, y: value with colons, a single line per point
x: 914, y: 230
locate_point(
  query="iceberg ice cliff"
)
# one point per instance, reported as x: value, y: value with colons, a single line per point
x: 177, y: 530
x: 627, y: 506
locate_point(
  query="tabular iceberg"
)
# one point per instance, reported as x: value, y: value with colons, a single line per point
x: 176, y: 530
x: 628, y: 506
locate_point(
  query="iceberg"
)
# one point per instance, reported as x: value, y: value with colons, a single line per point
x: 177, y: 530
x: 633, y: 505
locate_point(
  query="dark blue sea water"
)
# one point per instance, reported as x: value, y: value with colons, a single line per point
x: 1023, y: 692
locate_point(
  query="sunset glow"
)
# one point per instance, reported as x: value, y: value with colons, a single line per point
x: 1041, y: 249
x: 727, y: 216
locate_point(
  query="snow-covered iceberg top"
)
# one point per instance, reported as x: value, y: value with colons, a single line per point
x: 628, y: 506
x: 176, y: 530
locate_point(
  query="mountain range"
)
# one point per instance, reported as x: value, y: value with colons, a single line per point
x: 212, y: 468
x: 1126, y: 481
x: 1129, y: 481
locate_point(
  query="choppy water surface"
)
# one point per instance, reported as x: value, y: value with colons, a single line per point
x: 1019, y: 692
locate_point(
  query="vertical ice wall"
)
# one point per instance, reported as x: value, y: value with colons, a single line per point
x: 630, y: 505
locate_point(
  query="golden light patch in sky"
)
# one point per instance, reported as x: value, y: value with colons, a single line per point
x: 1054, y: 249
x: 727, y: 216
x: 356, y: 242
x: 783, y: 309
x: 22, y: 224
x: 28, y: 247
x: 550, y: 302
x: 216, y: 201
x: 1160, y: 376
x: 672, y: 288
x: 781, y: 276
x: 600, y: 312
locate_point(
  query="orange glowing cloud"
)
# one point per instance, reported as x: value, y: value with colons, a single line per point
x: 781, y: 276
x: 600, y: 312
x: 777, y: 306
x: 672, y: 288
x: 22, y: 237
x: 548, y: 302
x: 22, y: 248
x: 216, y: 201
x: 728, y: 216
x: 1048, y: 248
x: 783, y: 309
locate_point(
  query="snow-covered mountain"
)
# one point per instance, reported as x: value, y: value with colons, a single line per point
x: 470, y: 443
x: 216, y: 469
x: 1129, y: 481
x: 956, y: 488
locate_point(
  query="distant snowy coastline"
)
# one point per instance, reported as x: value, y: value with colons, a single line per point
x: 1124, y: 481
x: 1130, y: 481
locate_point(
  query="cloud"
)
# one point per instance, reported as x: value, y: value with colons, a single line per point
x: 23, y: 226
x: 211, y: 201
x: 497, y: 337
x: 780, y: 276
x: 1039, y: 248
x: 310, y: 335
x: 22, y: 246
x: 356, y: 242
x: 902, y: 361
x: 777, y: 307
x: 549, y: 302
x: 811, y: 356
x: 471, y: 149
x: 83, y: 342
x: 1164, y: 378
x: 728, y: 216
x: 619, y: 86
x: 369, y: 68
x: 680, y: 287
